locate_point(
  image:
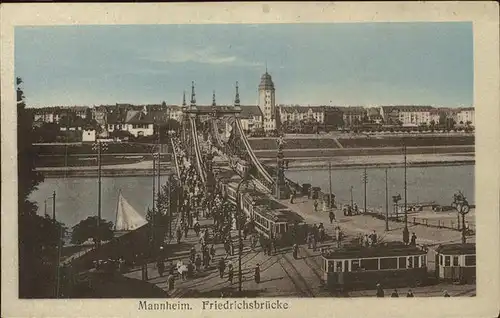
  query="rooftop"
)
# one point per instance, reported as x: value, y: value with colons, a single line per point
x: 383, y: 250
x: 266, y: 82
x: 455, y: 249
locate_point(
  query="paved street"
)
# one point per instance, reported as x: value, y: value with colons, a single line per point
x: 283, y: 276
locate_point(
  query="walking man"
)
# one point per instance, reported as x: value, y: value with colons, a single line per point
x: 315, y: 205
x: 295, y: 251
x: 230, y: 273
x: 222, y: 267
x: 331, y: 215
x: 380, y: 291
x: 413, y: 241
x: 257, y: 274
x: 179, y: 235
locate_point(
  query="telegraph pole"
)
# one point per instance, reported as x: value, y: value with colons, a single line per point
x: 406, y: 232
x: 153, y: 204
x: 352, y: 200
x: 365, y: 181
x: 386, y: 203
x: 159, y: 160
x: 54, y: 205
x: 330, y: 181
x: 99, y: 147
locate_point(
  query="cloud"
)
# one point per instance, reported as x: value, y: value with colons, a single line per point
x: 207, y: 55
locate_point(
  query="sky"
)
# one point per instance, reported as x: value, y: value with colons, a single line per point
x: 365, y: 64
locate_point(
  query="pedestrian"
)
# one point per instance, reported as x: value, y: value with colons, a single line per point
x: 171, y: 281
x: 340, y: 236
x: 315, y: 205
x: 373, y: 238
x: 309, y: 240
x: 230, y: 273
x: 331, y: 215
x: 410, y: 293
x: 314, y: 244
x: 179, y: 235
x: 212, y: 252
x: 366, y: 240
x: 257, y: 274
x: 413, y: 241
x: 197, y: 263
x: 161, y: 267
x: 196, y: 228
x: 394, y: 293
x: 295, y: 251
x: 192, y: 254
x: 292, y: 195
x: 222, y: 267
x: 445, y: 294
x: 380, y: 291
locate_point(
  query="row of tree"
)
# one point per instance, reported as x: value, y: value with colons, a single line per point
x: 39, y: 236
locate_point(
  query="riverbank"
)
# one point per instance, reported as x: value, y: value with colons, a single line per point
x: 143, y: 168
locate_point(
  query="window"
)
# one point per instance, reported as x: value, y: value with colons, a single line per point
x: 422, y: 261
x: 447, y: 261
x: 338, y: 266
x: 415, y: 261
x: 455, y: 260
x: 330, y: 266
x: 355, y: 265
x: 440, y: 259
x: 389, y: 263
x: 470, y: 260
x: 402, y: 262
x: 410, y: 262
x: 346, y: 266
x: 369, y: 264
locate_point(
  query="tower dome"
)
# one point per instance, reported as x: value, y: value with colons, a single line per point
x: 266, y: 82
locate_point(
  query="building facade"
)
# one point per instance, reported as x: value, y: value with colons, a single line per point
x: 465, y: 116
x: 267, y: 102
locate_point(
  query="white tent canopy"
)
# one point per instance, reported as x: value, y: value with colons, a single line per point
x: 127, y: 218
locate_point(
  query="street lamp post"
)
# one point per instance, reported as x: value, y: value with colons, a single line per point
x: 99, y: 147
x: 352, y: 200
x: 240, y: 242
x: 365, y: 182
x: 461, y: 204
x: 406, y: 232
x: 54, y: 205
x: 386, y: 203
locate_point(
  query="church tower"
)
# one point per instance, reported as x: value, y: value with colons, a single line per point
x: 267, y: 102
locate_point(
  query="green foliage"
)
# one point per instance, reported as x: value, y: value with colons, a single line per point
x: 48, y: 132
x: 39, y: 236
x: 28, y: 179
x: 88, y: 229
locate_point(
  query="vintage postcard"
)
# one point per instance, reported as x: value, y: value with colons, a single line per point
x: 300, y: 159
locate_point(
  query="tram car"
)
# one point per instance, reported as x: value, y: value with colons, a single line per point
x: 392, y: 264
x: 268, y: 217
x: 456, y: 263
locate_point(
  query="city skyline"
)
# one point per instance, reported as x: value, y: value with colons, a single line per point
x: 389, y: 63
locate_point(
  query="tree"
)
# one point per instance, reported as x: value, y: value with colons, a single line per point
x: 28, y: 178
x: 87, y: 229
x: 38, y: 236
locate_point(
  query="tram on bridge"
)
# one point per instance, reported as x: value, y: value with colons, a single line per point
x: 269, y: 217
x: 392, y: 264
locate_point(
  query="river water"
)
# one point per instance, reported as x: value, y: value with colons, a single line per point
x: 76, y: 198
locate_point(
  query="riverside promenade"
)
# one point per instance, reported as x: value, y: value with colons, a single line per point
x: 283, y: 276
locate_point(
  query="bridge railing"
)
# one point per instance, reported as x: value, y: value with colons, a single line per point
x: 176, y: 158
x: 252, y: 155
x: 196, y: 145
